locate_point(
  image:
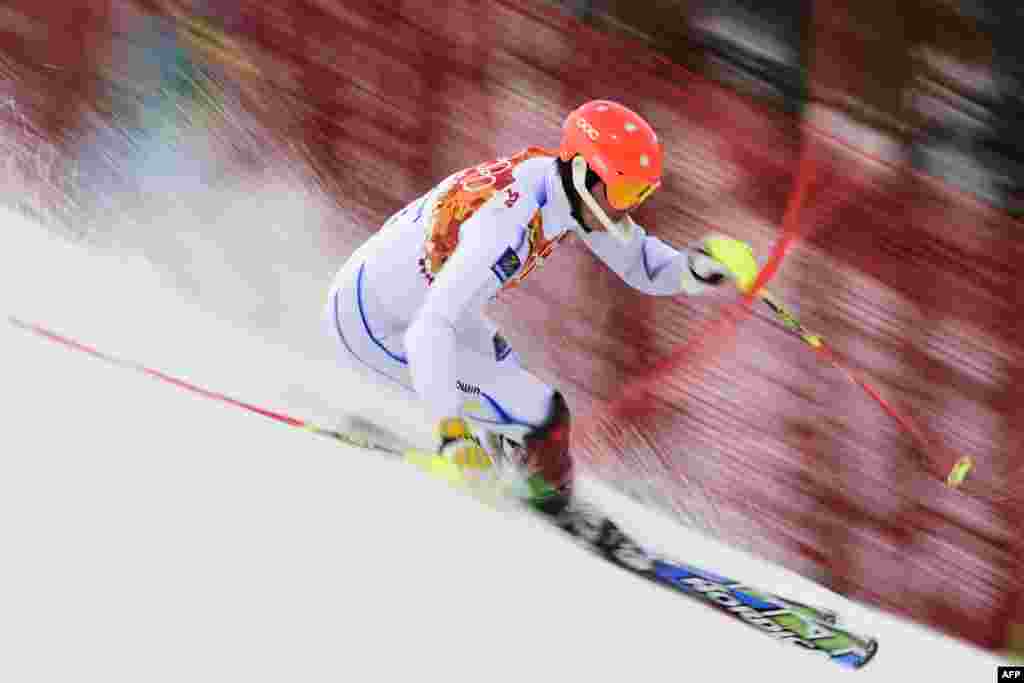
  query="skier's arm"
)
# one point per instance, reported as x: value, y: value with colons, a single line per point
x: 651, y: 266
x: 468, y: 277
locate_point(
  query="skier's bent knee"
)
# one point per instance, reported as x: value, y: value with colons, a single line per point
x: 548, y: 460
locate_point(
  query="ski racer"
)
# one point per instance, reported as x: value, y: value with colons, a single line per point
x: 408, y: 304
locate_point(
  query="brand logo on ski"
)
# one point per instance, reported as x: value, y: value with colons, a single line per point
x: 813, y: 629
x: 774, y: 618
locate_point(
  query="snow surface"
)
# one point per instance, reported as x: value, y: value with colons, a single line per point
x: 149, y: 534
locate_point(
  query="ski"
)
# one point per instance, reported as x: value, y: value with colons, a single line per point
x: 810, y: 628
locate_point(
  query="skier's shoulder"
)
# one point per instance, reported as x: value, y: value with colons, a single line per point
x: 533, y: 164
x: 505, y: 189
x: 535, y: 157
x: 527, y: 168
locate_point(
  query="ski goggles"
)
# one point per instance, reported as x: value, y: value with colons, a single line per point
x: 627, y: 193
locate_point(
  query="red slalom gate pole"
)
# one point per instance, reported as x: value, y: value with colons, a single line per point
x: 635, y: 397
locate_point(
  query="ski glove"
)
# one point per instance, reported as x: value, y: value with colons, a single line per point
x: 718, y: 258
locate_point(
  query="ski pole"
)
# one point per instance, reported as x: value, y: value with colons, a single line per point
x: 430, y: 463
x: 963, y: 465
x: 345, y: 438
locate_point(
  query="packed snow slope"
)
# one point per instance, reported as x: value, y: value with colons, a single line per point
x: 150, y: 534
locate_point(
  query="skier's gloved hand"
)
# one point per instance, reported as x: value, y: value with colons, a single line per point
x: 459, y: 447
x: 719, y: 258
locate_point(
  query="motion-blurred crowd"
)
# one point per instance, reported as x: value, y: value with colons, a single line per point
x: 910, y: 261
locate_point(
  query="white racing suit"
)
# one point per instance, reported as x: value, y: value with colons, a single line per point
x: 408, y: 304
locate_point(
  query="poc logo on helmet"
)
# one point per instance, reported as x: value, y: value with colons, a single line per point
x: 588, y: 129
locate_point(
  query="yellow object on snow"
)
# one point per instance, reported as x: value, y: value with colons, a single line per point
x: 436, y: 466
x: 484, y: 485
x: 460, y: 446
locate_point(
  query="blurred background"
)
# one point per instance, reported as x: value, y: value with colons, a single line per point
x: 246, y: 148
